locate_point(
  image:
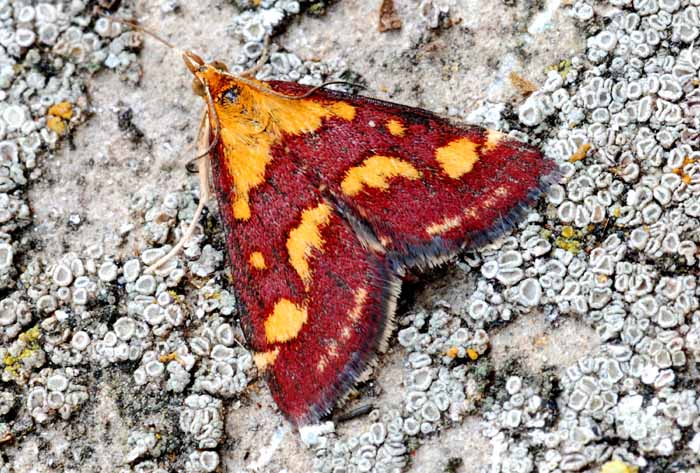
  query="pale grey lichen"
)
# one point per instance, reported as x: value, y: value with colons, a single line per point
x: 612, y: 246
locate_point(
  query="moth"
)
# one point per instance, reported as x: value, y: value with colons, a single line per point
x: 326, y: 199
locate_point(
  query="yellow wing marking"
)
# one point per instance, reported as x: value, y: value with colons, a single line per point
x: 493, y: 137
x: 254, y: 122
x: 321, y: 365
x: 331, y: 353
x: 375, y: 172
x: 395, y: 127
x: 354, y: 316
x: 495, y: 197
x: 333, y: 349
x: 285, y: 322
x: 458, y: 157
x: 444, y: 226
x: 355, y: 313
x: 305, y: 238
x: 471, y: 213
x: 343, y: 110
x: 360, y: 298
x: 257, y: 260
x: 265, y: 359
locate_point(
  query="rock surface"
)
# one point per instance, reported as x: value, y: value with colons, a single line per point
x: 568, y: 345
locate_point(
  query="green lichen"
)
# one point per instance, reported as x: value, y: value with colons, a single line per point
x: 317, y: 9
x: 176, y: 297
x: 569, y: 239
x: 30, y: 336
x: 568, y: 244
x: 30, y: 340
x: 562, y: 67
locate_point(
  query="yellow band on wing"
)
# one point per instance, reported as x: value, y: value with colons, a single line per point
x: 458, y: 157
x: 285, y: 322
x: 306, y: 238
x: 375, y: 173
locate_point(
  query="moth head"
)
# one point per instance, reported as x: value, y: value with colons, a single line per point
x: 227, y: 92
x: 236, y: 104
x: 236, y: 100
x: 199, y: 68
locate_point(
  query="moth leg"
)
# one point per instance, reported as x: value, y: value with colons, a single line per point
x: 204, y: 192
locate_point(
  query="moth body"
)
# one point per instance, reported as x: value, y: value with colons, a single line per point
x: 326, y: 198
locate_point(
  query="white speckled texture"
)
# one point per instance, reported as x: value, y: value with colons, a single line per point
x: 569, y: 343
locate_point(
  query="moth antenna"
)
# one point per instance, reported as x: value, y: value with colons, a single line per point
x: 217, y: 124
x: 239, y: 343
x: 137, y: 27
x: 204, y: 194
x: 261, y: 61
x: 217, y: 127
x: 191, y: 166
x: 287, y: 96
x: 332, y: 82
